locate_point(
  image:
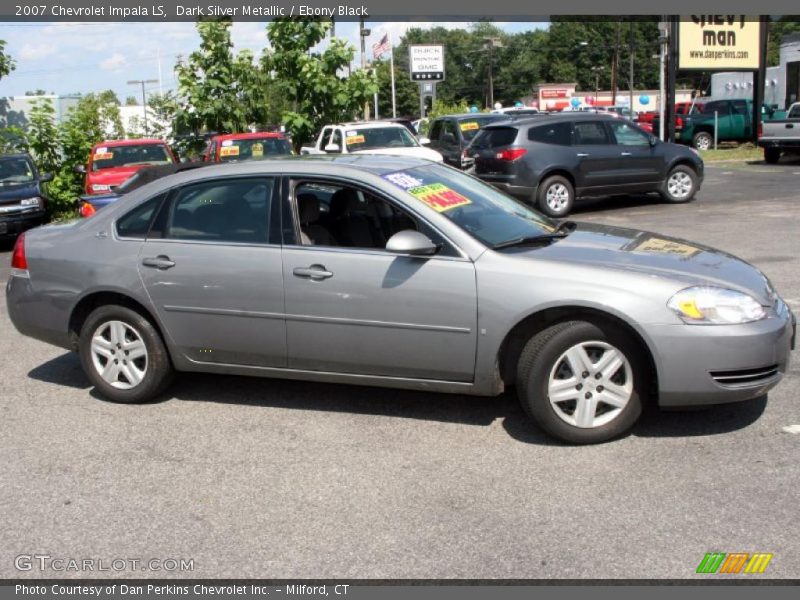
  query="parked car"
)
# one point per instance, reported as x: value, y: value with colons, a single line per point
x: 113, y: 161
x: 781, y: 135
x: 438, y: 282
x: 516, y: 111
x: 371, y: 137
x: 23, y: 203
x: 233, y: 147
x: 91, y: 203
x: 450, y: 135
x: 550, y: 160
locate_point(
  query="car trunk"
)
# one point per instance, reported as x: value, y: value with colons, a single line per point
x: 487, y: 150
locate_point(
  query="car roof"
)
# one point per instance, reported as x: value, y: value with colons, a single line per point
x: 16, y: 155
x: 136, y: 142
x: 371, y: 124
x: 473, y: 116
x: 557, y: 117
x: 249, y: 135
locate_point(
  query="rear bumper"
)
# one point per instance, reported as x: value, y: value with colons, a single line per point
x: 36, y: 315
x: 508, y: 185
x: 718, y: 364
x: 780, y: 144
x: 11, y: 225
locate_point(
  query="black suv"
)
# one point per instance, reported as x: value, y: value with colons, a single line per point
x: 552, y: 159
x: 451, y: 135
x: 22, y: 203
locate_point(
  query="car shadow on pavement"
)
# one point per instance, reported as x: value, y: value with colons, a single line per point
x: 450, y: 408
x: 585, y: 205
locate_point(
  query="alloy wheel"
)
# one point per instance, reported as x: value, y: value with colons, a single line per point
x: 679, y: 185
x: 557, y: 197
x: 119, y: 354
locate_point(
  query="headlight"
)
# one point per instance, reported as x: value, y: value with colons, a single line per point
x: 99, y: 187
x: 34, y: 201
x: 715, y: 306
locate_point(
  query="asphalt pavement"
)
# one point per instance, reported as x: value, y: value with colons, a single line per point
x: 278, y: 479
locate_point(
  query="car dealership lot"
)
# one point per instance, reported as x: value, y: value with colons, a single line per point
x: 269, y: 478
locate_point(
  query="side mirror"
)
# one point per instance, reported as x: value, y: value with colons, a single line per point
x: 412, y: 243
x: 45, y: 177
x: 79, y: 169
x: 334, y: 148
x: 424, y: 141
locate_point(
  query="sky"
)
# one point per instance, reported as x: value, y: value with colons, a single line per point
x: 67, y: 58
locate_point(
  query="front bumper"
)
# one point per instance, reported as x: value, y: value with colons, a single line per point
x: 717, y: 364
x: 11, y: 225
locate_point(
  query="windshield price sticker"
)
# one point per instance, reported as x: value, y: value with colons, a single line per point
x: 257, y: 149
x: 354, y: 139
x: 439, y: 197
x: 229, y: 151
x: 470, y: 126
x: 403, y: 180
x: 227, y: 142
x: 103, y: 155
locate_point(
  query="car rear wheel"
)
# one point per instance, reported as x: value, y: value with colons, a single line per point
x: 123, y: 355
x: 680, y: 185
x: 702, y: 140
x: 580, y: 382
x: 772, y: 155
x: 555, y: 196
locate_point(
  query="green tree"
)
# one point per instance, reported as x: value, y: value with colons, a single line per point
x: 131, y: 101
x: 164, y: 108
x: 406, y: 91
x: 7, y: 64
x: 317, y: 90
x: 42, y: 134
x: 777, y: 28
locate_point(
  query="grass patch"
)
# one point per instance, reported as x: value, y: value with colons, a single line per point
x: 741, y: 152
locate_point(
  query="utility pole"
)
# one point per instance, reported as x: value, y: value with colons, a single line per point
x: 630, y: 107
x: 663, y: 41
x: 144, y: 98
x: 493, y: 43
x: 363, y: 34
x: 615, y: 65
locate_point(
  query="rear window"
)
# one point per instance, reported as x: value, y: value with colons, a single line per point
x: 108, y: 157
x: 559, y: 134
x: 253, y: 149
x: 794, y: 113
x: 495, y: 137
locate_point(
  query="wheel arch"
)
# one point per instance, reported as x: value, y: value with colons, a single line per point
x: 557, y: 171
x: 515, y: 340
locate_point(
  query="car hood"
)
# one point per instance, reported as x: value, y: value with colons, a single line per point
x: 114, y: 175
x: 654, y: 254
x: 419, y: 152
x: 13, y: 194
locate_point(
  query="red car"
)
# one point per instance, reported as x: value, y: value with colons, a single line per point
x: 112, y: 162
x: 232, y: 147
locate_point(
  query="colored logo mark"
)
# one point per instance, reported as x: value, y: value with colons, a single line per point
x: 734, y: 562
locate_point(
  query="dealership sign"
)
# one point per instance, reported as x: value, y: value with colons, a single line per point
x: 719, y: 43
x: 426, y: 62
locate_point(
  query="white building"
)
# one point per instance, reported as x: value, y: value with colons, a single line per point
x: 15, y: 110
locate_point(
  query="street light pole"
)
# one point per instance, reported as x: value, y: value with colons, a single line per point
x: 630, y: 107
x: 144, y: 98
x: 363, y: 33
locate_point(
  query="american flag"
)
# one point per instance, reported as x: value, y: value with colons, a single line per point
x: 379, y: 48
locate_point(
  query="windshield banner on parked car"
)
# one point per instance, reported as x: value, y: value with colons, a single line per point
x: 437, y: 196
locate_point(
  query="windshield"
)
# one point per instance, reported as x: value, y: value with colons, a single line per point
x: 128, y: 156
x: 15, y: 170
x: 379, y: 137
x: 252, y: 149
x: 480, y: 209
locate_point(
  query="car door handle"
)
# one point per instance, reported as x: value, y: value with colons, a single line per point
x: 790, y: 126
x: 582, y: 154
x: 160, y: 262
x: 625, y: 154
x: 314, y: 272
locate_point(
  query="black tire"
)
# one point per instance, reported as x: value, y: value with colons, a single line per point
x: 772, y: 156
x: 703, y: 140
x: 673, y: 193
x: 555, y: 207
x: 543, y: 353
x: 155, y: 365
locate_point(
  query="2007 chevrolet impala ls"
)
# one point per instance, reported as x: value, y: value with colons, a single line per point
x: 397, y: 272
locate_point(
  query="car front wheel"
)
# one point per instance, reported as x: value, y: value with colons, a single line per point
x: 702, y: 140
x: 580, y: 382
x: 680, y: 185
x: 555, y: 196
x: 123, y: 355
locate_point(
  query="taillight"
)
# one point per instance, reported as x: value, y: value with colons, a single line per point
x: 760, y: 129
x: 511, y: 154
x: 678, y: 123
x: 87, y: 210
x: 18, y: 260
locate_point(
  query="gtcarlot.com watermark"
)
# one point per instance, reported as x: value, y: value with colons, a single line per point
x: 62, y: 564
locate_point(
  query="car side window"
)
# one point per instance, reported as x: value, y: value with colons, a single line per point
x: 449, y: 133
x: 559, y: 134
x: 340, y: 215
x: 227, y: 210
x: 721, y: 108
x: 336, y: 138
x: 436, y: 130
x: 590, y: 133
x: 136, y: 223
x: 628, y: 135
x: 794, y: 113
x: 740, y: 107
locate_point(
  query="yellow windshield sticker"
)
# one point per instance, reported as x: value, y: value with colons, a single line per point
x: 439, y: 197
x: 257, y: 149
x: 469, y: 126
x: 654, y: 245
x: 354, y: 139
x: 229, y: 151
x: 103, y: 155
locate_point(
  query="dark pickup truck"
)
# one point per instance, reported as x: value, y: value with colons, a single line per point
x: 781, y: 135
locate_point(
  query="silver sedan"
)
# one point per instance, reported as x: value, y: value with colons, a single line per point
x: 397, y: 272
